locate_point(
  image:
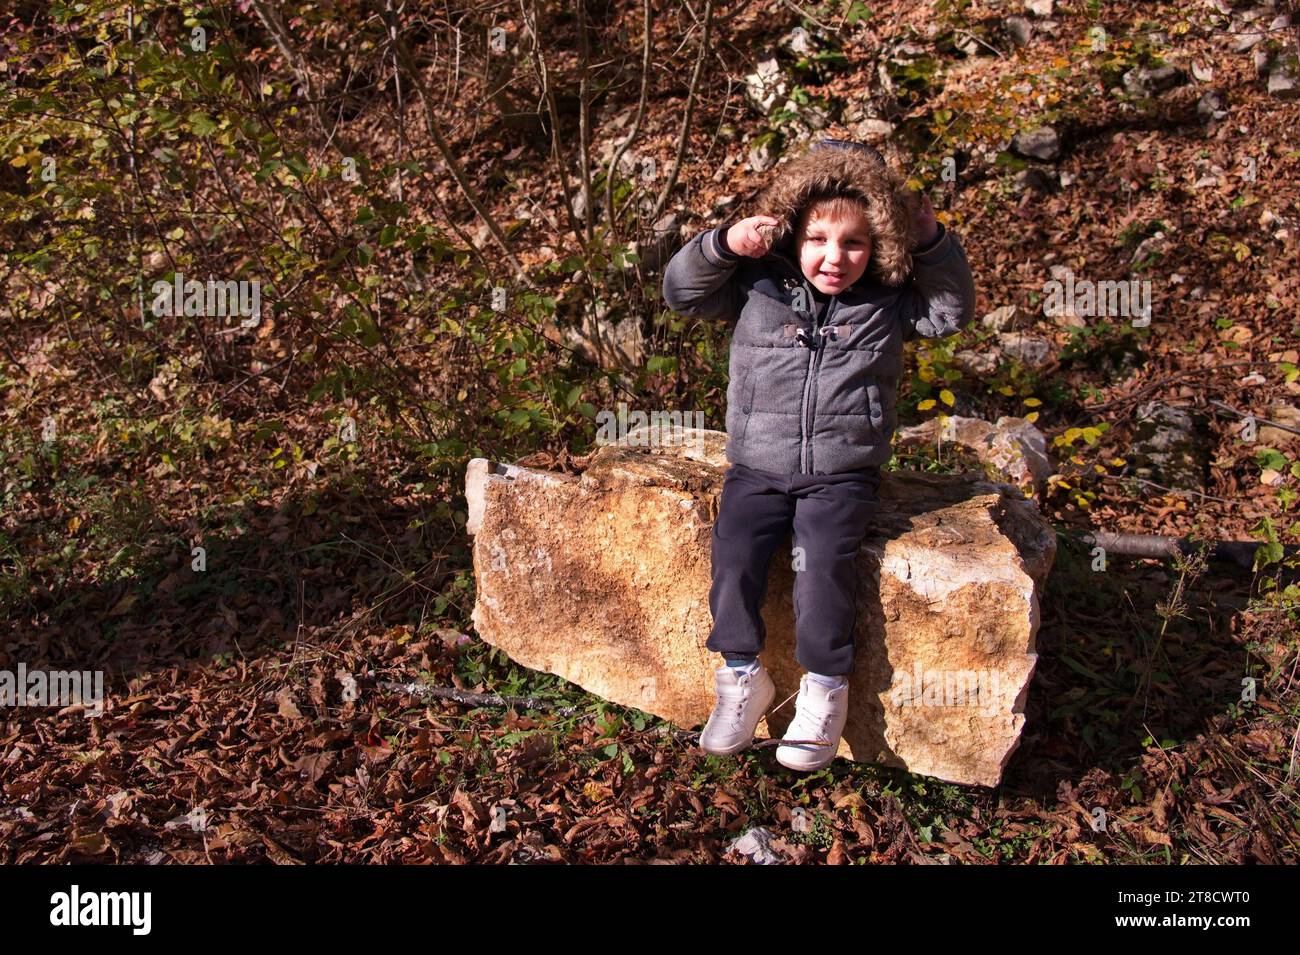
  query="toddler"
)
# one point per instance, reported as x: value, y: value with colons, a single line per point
x: 842, y: 265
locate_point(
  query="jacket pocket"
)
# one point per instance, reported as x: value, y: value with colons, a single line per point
x: 746, y: 401
x: 875, y: 407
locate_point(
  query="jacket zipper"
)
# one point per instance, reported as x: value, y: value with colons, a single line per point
x: 807, y: 410
x: 820, y: 341
x: 805, y: 428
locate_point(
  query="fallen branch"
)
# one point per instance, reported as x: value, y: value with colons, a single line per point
x: 1156, y: 545
x: 426, y: 691
x: 1258, y: 420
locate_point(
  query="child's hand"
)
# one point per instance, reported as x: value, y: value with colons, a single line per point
x: 927, y: 226
x: 752, y: 236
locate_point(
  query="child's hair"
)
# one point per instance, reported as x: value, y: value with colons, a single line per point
x: 836, y: 207
x: 839, y: 175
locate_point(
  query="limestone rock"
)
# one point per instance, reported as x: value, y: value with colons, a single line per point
x: 603, y: 578
x: 799, y: 42
x: 767, y: 86
x: 1149, y: 80
x: 1211, y: 106
x: 759, y: 846
x: 1042, y: 142
x: 763, y: 154
x: 1284, y: 78
x: 1273, y: 437
x: 1171, y: 446
x: 873, y: 129
x: 1002, y: 318
x: 977, y: 364
x: 1019, y: 30
x: 1013, y: 447
x: 1032, y: 351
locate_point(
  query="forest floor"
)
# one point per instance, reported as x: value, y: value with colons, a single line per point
x: 266, y: 729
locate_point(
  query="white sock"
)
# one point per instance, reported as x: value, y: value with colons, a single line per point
x: 831, y: 681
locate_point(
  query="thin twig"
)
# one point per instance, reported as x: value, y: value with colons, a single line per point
x: 687, y: 115
x: 427, y: 691
x: 1255, y: 417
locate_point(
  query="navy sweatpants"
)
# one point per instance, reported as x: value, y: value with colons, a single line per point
x: 831, y: 514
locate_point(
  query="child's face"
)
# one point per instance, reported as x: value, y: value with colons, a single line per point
x: 833, y: 250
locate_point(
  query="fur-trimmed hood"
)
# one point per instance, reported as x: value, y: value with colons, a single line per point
x: 827, y: 172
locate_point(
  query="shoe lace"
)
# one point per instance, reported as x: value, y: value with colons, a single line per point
x: 804, y: 717
x: 733, y: 703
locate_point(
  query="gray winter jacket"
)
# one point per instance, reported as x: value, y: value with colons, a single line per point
x: 814, y: 393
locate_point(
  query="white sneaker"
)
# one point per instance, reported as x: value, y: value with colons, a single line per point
x: 742, y: 699
x: 820, y: 714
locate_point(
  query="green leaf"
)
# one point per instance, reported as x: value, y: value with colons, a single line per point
x: 1270, y: 458
x: 202, y: 123
x: 299, y: 168
x: 857, y: 13
x: 1078, y: 667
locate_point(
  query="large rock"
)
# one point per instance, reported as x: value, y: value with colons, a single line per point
x: 1042, y: 142
x: 1149, y: 80
x: 1013, y: 447
x: 1171, y: 446
x: 603, y: 578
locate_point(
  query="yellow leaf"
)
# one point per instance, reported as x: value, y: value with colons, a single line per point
x: 1032, y: 402
x: 1006, y: 390
x: 1032, y: 416
x: 925, y: 405
x: 596, y: 792
x: 947, y: 397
